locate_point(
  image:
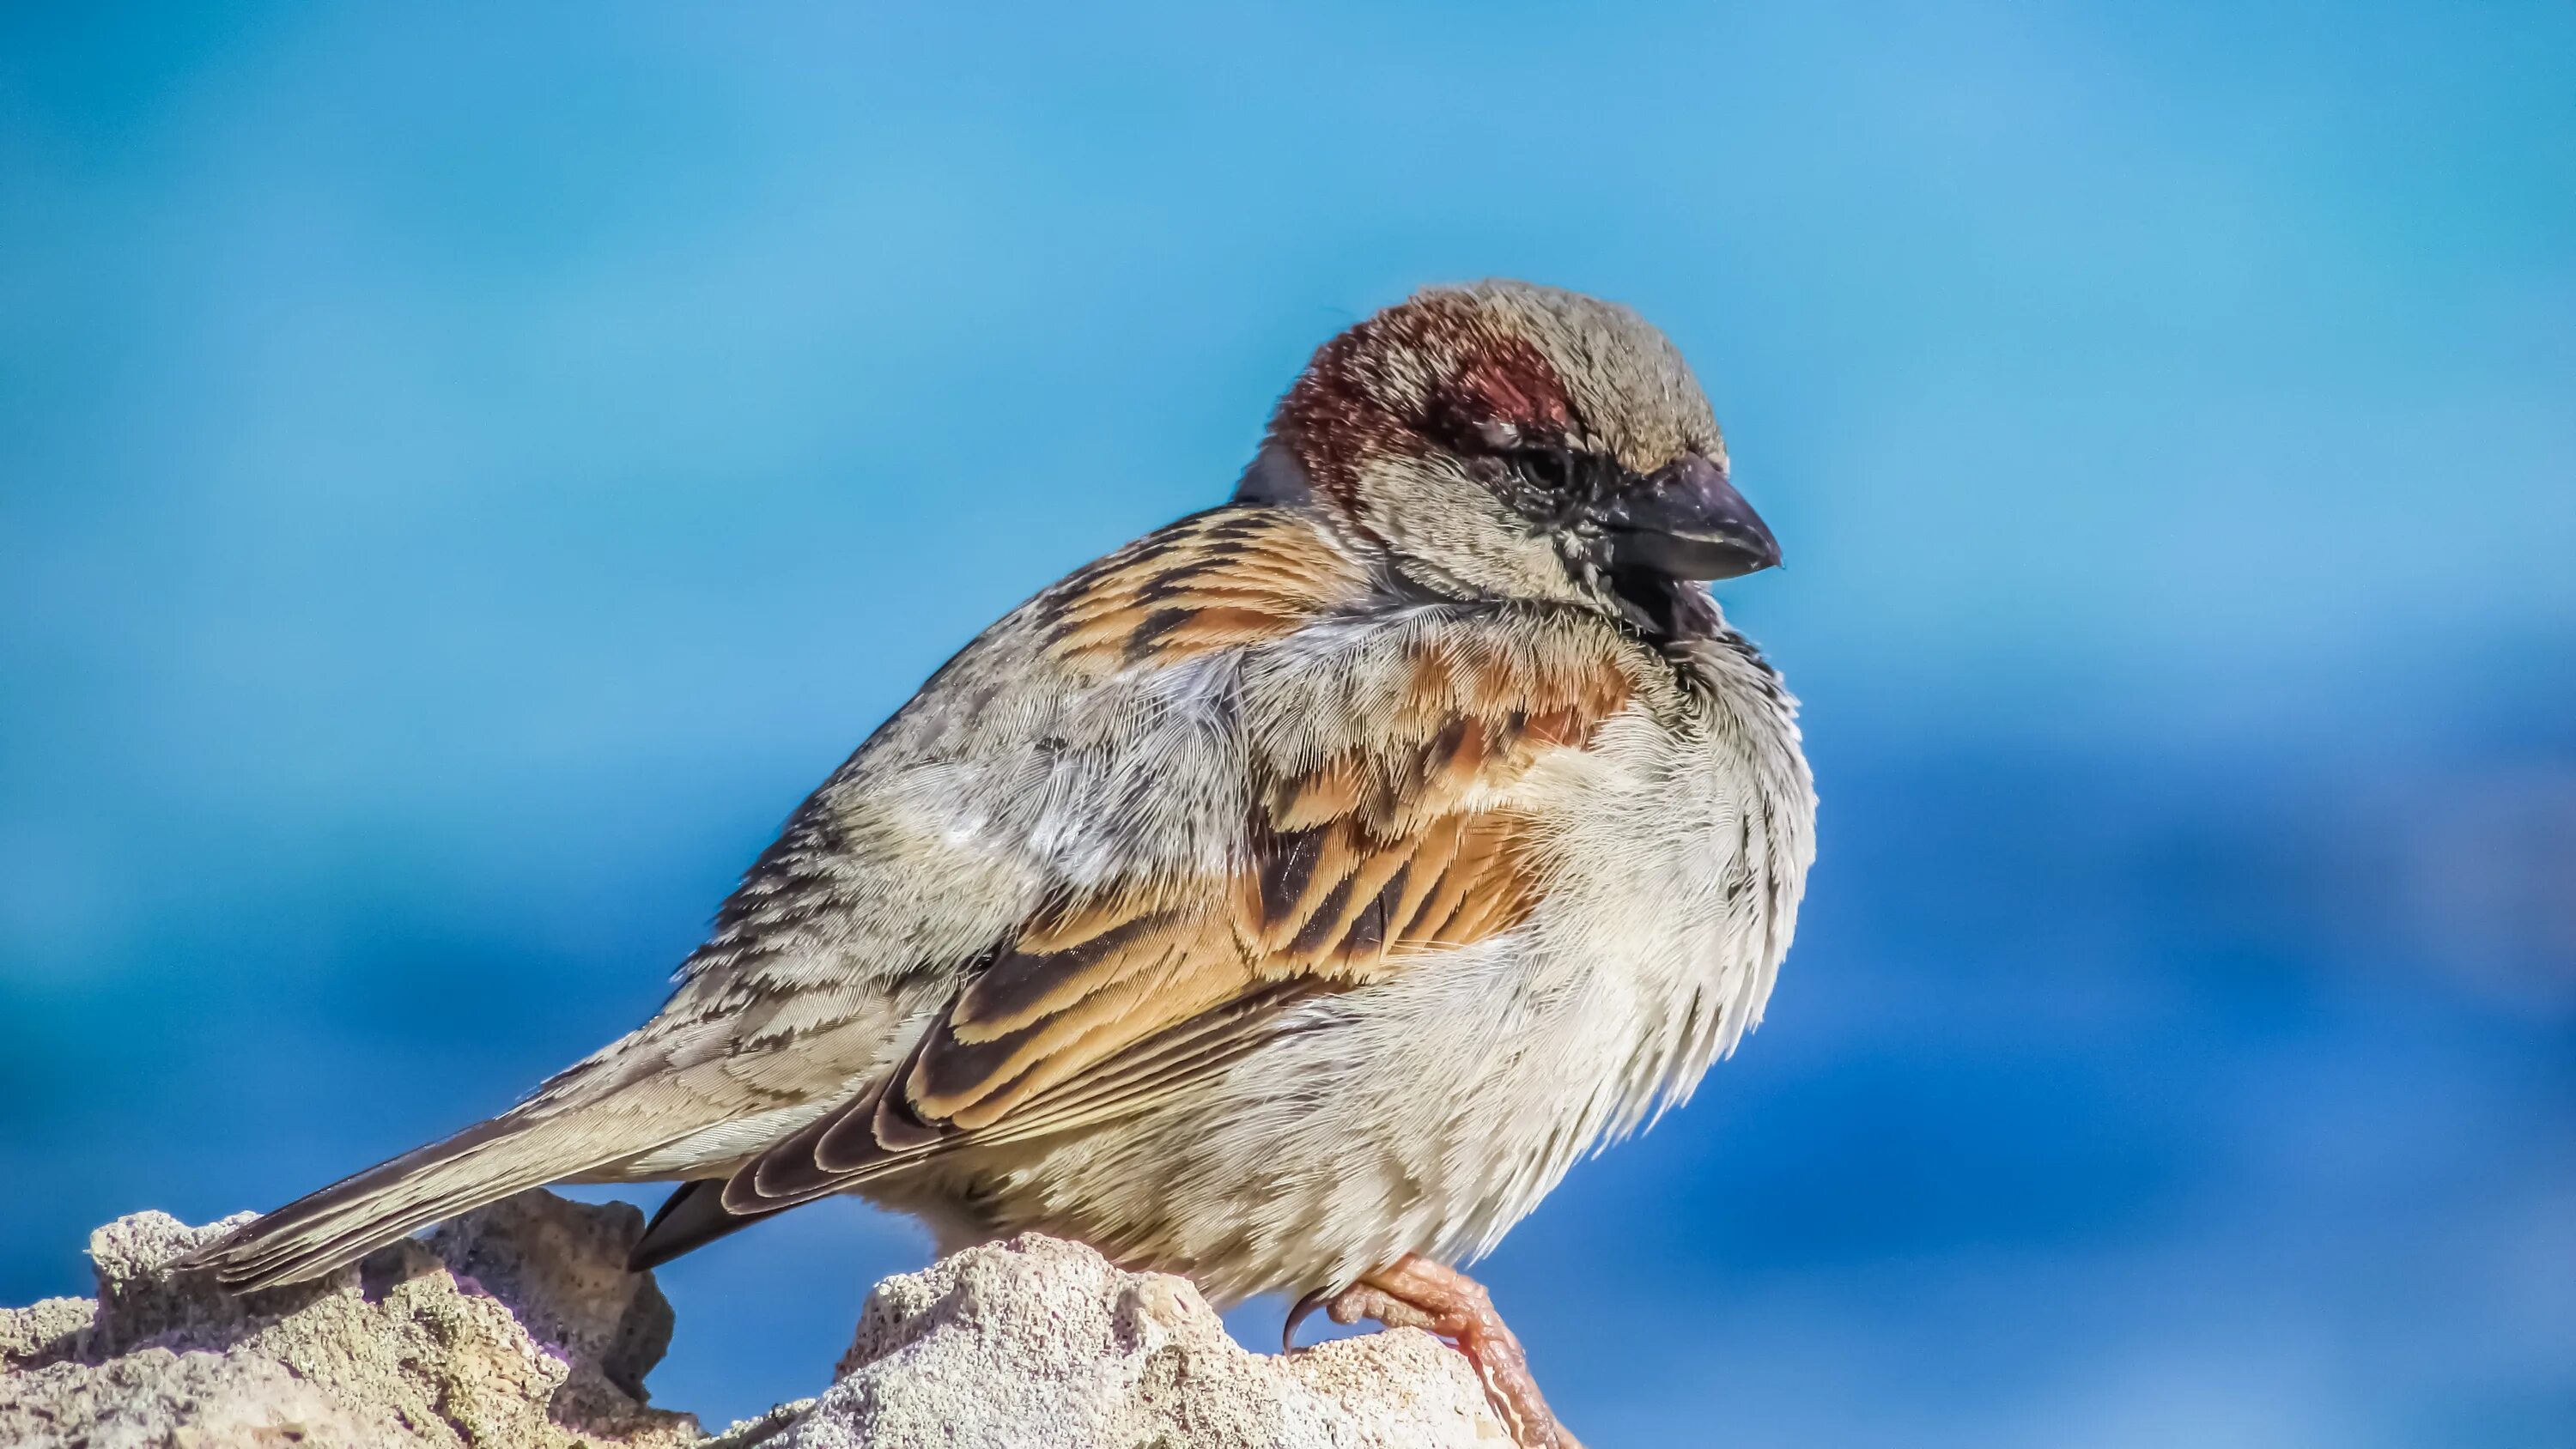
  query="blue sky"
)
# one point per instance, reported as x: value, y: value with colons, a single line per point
x: 464, y: 475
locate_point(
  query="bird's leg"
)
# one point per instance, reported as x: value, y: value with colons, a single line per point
x: 1415, y: 1292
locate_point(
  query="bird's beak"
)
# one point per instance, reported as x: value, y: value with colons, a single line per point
x: 1688, y: 522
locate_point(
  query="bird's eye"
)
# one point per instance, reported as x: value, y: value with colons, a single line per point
x: 1550, y: 469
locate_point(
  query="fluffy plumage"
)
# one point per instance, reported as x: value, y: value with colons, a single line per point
x: 1303, y: 886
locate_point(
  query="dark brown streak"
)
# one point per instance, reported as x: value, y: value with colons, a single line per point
x: 1020, y: 980
x: 1318, y: 928
x: 1287, y: 871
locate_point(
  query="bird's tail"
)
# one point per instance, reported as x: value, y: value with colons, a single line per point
x: 526, y: 1147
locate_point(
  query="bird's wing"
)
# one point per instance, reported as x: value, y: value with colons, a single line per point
x: 1373, y: 754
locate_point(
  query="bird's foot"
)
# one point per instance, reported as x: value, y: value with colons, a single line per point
x: 1417, y: 1293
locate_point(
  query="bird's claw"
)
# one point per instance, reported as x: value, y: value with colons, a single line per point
x: 1417, y: 1293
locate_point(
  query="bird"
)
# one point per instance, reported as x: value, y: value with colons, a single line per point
x: 1287, y: 899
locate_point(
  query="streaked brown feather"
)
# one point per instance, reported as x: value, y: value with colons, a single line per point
x: 1221, y: 579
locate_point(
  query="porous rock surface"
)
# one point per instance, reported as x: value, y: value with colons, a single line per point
x: 517, y: 1327
x: 418, y: 1347
x: 1035, y: 1342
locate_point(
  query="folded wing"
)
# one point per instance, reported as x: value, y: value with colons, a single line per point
x: 1383, y: 750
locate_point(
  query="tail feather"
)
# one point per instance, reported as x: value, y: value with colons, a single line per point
x: 693, y: 1216
x: 353, y: 1217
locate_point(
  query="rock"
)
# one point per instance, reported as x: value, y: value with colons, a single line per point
x: 518, y: 1327
x: 411, y: 1349
x: 1035, y: 1342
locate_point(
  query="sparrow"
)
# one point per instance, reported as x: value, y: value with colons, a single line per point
x: 1285, y: 900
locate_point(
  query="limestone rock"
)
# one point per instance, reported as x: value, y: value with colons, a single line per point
x: 1033, y: 1343
x: 518, y: 1327
x: 410, y: 1349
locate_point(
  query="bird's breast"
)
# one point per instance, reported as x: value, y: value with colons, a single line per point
x: 1675, y: 849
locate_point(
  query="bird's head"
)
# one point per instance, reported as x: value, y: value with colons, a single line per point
x: 1521, y: 441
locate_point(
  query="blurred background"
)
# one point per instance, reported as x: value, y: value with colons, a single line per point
x: 464, y: 475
